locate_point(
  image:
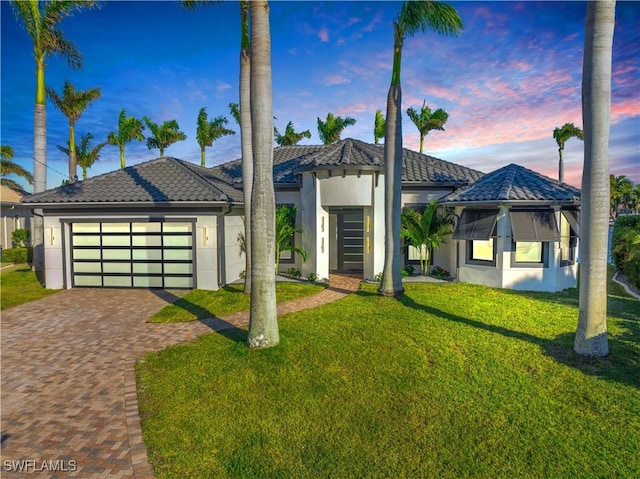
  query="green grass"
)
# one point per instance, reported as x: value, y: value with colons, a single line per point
x: 20, y: 286
x: 449, y: 381
x: 199, y: 304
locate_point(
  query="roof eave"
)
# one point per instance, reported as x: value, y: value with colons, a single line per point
x: 130, y: 204
x: 573, y: 202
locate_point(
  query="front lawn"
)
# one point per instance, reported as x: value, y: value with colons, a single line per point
x: 449, y: 381
x: 20, y: 286
x: 200, y: 304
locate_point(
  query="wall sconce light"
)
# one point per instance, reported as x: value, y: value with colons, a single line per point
x: 51, y: 236
x: 368, y: 223
x: 205, y: 237
x: 322, y: 224
x: 368, y: 245
x: 322, y: 245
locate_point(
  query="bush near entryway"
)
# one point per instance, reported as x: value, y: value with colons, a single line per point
x: 17, y: 255
x: 625, y: 247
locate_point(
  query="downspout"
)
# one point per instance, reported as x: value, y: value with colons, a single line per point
x: 221, y: 261
x: 33, y: 235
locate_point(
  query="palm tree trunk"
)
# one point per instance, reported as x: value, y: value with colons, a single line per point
x: 39, y: 163
x: 591, y: 335
x: 245, y: 137
x: 202, y: 157
x: 391, y: 284
x: 122, y: 156
x: 263, y: 321
x: 421, y: 142
x: 73, y: 159
x: 560, y: 167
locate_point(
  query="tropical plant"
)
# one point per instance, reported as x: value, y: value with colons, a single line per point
x: 263, y: 317
x: 41, y: 20
x: 234, y: 109
x: 290, y: 136
x: 426, y: 120
x: 378, y: 127
x: 621, y: 190
x: 9, y: 167
x: 72, y: 103
x: 426, y: 231
x: 413, y: 17
x: 330, y: 129
x: 591, y: 333
x: 209, y: 131
x: 562, y: 135
x: 86, y: 155
x: 285, y: 231
x: 164, y: 135
x: 129, y: 129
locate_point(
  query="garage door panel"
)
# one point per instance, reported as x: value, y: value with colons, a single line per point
x: 136, y: 254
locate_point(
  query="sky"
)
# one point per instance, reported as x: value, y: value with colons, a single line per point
x: 507, y: 80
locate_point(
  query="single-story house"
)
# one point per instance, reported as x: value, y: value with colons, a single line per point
x: 169, y: 223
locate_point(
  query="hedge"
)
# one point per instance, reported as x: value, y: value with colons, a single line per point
x: 17, y: 255
x: 625, y: 247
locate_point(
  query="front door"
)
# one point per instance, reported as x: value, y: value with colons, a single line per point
x: 350, y: 240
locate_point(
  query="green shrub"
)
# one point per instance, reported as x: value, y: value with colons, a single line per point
x: 295, y: 272
x: 20, y: 237
x: 625, y: 247
x: 404, y: 273
x: 440, y: 273
x: 408, y: 269
x: 17, y: 255
x: 312, y: 277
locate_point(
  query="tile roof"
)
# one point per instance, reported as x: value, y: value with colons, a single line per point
x: 164, y: 180
x: 514, y: 183
x: 352, y: 154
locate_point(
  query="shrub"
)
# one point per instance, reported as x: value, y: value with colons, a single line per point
x: 440, y: 273
x: 243, y: 274
x: 20, y: 237
x: 409, y: 269
x: 625, y: 247
x: 404, y: 273
x: 312, y: 277
x: 295, y: 272
x: 378, y: 277
x: 17, y: 255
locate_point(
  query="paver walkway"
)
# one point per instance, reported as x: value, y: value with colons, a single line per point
x: 69, y: 406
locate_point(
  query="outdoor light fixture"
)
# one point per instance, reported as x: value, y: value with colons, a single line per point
x: 205, y: 238
x: 51, y: 236
x: 322, y: 224
x: 368, y: 224
x: 322, y: 245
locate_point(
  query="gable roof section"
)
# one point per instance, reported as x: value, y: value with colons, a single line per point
x: 164, y: 180
x: 514, y: 184
x: 288, y: 161
x: 8, y: 195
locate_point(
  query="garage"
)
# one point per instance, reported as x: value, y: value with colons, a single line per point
x: 135, y: 254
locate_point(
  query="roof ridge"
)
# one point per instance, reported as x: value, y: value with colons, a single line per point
x: 181, y: 164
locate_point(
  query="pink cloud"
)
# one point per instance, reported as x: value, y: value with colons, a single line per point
x: 336, y: 79
x: 323, y: 34
x: 622, y: 111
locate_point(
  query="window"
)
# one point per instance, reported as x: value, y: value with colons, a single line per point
x: 482, y: 250
x: 478, y: 228
x: 532, y: 231
x: 413, y: 253
x: 568, y: 237
x: 528, y: 252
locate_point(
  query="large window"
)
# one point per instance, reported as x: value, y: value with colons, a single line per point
x: 478, y: 228
x: 532, y: 231
x: 568, y: 237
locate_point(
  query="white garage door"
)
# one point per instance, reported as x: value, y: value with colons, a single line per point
x: 132, y: 254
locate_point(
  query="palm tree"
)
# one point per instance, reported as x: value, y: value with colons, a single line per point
x: 41, y: 20
x: 285, y: 231
x: 263, y: 321
x: 562, y: 135
x: 620, y: 188
x: 378, y: 127
x: 591, y: 333
x: 331, y: 129
x: 290, y: 136
x: 163, y: 136
x: 426, y: 231
x: 210, y: 131
x: 9, y: 167
x: 87, y: 156
x: 413, y: 17
x: 72, y: 104
x: 129, y: 129
x: 426, y: 120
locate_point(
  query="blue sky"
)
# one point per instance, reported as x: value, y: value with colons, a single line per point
x: 510, y: 78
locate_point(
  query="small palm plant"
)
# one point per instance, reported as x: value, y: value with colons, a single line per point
x: 209, y: 131
x: 562, y: 135
x: 164, y: 135
x: 86, y: 155
x: 330, y: 129
x: 129, y: 129
x: 285, y: 229
x: 290, y: 136
x: 426, y: 231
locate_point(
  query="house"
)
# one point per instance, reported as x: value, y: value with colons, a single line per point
x: 13, y: 215
x: 169, y: 223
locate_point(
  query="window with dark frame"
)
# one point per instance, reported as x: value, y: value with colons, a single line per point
x: 287, y: 256
x: 569, y: 227
x: 478, y: 228
x: 532, y: 232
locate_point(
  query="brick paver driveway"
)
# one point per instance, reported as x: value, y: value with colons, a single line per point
x: 68, y: 383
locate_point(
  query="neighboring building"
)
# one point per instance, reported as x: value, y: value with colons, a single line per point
x: 13, y: 215
x: 169, y: 223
